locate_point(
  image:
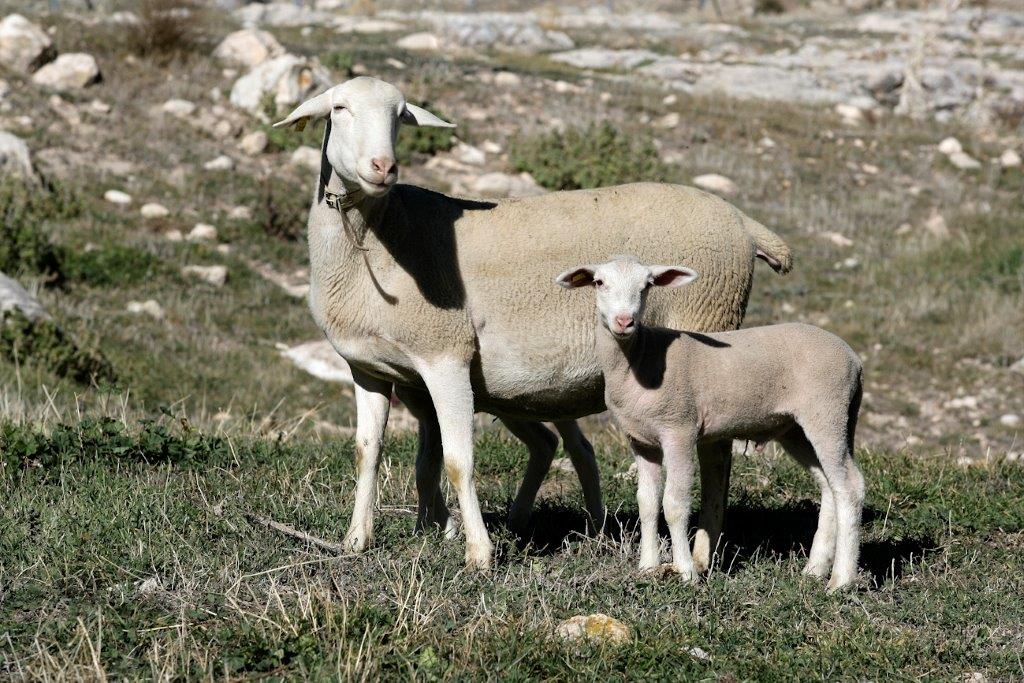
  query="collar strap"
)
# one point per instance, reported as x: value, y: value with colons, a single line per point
x: 342, y: 202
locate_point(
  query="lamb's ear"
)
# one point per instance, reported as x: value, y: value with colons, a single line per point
x: 418, y: 116
x: 318, y: 107
x: 577, y: 277
x: 672, y: 276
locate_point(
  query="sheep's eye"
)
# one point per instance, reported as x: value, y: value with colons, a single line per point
x: 338, y: 108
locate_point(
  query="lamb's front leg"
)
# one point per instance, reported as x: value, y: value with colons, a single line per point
x: 450, y: 389
x: 373, y: 401
x: 648, y: 494
x: 678, y: 452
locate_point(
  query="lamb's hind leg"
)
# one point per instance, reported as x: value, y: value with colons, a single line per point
x: 542, y: 444
x: 823, y: 547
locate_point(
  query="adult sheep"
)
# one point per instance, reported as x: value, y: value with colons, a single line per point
x: 450, y: 302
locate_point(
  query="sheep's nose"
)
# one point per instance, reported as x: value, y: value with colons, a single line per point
x: 624, y: 321
x: 383, y: 165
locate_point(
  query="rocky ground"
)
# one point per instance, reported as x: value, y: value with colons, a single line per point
x: 884, y: 145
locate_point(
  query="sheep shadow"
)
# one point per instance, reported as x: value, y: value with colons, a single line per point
x: 751, y: 532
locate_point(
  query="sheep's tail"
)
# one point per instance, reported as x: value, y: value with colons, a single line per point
x: 770, y: 247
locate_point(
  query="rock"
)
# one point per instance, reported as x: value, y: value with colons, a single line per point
x: 14, y: 156
x: 202, y: 232
x: 518, y: 31
x: 174, y: 235
x: 24, y: 46
x: 14, y: 297
x: 604, y: 58
x: 180, y: 108
x: 1010, y: 159
x: 306, y: 156
x: 594, y: 627
x: 319, y: 359
x: 719, y: 184
x: 148, y: 307
x: 248, y: 48
x: 154, y: 210
x: 253, y: 143
x: 669, y: 120
x: 962, y: 402
x: 964, y: 161
x: 295, y: 285
x: 280, y: 14
x: 100, y: 107
x: 288, y: 79
x: 68, y: 72
x: 240, y: 213
x: 214, y: 275
x: 419, y: 41
x: 491, y: 147
x: 117, y: 197
x: 1010, y: 420
x: 221, y: 163
x: 499, y: 184
x: 366, y: 25
x: 223, y: 129
x: 698, y: 653
x: 507, y: 79
x: 936, y: 226
x: 468, y: 154
x: 850, y: 114
x: 837, y: 239
x: 950, y: 146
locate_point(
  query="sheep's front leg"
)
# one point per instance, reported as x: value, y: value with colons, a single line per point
x: 448, y: 382
x: 715, y: 467
x: 678, y: 451
x: 648, y: 494
x: 373, y: 401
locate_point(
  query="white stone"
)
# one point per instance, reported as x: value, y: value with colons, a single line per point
x: 950, y: 146
x: 14, y: 297
x: 117, y: 197
x: 288, y: 79
x: 202, y: 232
x: 468, y: 154
x: 713, y: 182
x: 850, y: 114
x: 220, y: 163
x: 240, y: 213
x: 1010, y: 159
x: 148, y: 307
x: 605, y: 58
x: 24, y: 46
x: 100, y: 107
x: 669, y: 120
x: 248, y: 48
x: 154, y: 210
x: 964, y: 161
x: 1010, y: 420
x: 507, y: 79
x: 419, y: 41
x: 214, y: 275
x: 306, y: 156
x: 174, y: 235
x: 837, y: 239
x: 499, y: 184
x: 366, y: 25
x: 180, y: 108
x: 253, y: 143
x: 319, y: 359
x: 936, y: 226
x: 595, y: 627
x: 491, y: 147
x: 70, y: 71
x: 963, y: 402
x: 14, y: 156
x: 669, y: 100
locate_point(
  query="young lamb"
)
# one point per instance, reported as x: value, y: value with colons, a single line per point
x: 671, y: 391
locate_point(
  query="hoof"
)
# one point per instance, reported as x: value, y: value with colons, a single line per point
x: 357, y: 542
x: 686, y: 574
x: 817, y: 570
x: 479, y: 557
x: 839, y: 583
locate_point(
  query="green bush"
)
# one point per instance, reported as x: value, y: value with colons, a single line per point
x: 339, y: 60
x: 44, y: 344
x: 25, y: 246
x: 111, y: 264
x: 596, y: 156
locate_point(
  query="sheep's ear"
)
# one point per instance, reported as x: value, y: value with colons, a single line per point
x: 672, y: 276
x: 577, y: 277
x: 318, y: 107
x: 418, y: 116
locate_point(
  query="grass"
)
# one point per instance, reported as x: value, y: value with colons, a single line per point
x: 127, y: 553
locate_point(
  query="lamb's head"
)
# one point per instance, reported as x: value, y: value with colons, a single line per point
x: 622, y: 284
x: 364, y: 114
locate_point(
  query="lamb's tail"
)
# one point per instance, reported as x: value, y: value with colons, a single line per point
x: 770, y: 247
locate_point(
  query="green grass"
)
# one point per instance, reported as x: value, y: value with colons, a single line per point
x: 128, y: 552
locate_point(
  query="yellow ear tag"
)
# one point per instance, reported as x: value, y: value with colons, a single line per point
x: 300, y: 125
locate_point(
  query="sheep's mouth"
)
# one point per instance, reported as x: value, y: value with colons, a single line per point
x: 375, y: 189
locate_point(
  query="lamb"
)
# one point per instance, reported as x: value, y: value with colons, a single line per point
x: 448, y: 301
x: 673, y: 391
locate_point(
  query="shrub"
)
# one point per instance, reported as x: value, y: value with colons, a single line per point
x: 595, y: 156
x: 339, y: 60
x: 43, y: 343
x: 166, y: 27
x: 282, y: 212
x: 24, y: 245
x: 110, y: 264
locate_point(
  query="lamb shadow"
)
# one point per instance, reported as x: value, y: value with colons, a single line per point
x: 751, y: 532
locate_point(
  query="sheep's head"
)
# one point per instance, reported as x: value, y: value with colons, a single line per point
x: 622, y: 285
x: 364, y: 114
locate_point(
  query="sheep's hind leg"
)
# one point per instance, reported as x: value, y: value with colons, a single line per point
x: 585, y: 463
x: 373, y: 401
x: 542, y: 444
x: 823, y: 547
x: 432, y: 510
x: 715, y: 468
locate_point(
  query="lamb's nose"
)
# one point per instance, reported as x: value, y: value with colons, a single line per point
x: 383, y: 165
x: 624, y: 321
